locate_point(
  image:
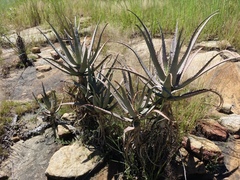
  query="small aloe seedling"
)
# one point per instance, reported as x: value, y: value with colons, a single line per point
x: 49, y: 107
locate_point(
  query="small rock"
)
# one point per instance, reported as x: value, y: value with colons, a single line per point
x: 36, y: 50
x: 212, y: 130
x: 62, y: 130
x: 33, y: 57
x: 202, y: 148
x: 15, y: 139
x: 72, y: 161
x: 231, y: 123
x: 59, y: 61
x: 69, y: 116
x: 65, y: 131
x: 40, y: 75
x: 226, y: 109
x: 55, y: 55
x: 43, y: 68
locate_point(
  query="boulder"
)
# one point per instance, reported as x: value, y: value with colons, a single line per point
x: 212, y: 130
x: 203, y: 148
x: 72, y: 161
x: 231, y: 123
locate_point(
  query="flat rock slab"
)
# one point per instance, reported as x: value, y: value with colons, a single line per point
x: 72, y: 161
x: 33, y: 34
x: 231, y: 152
x: 29, y: 159
x: 23, y: 83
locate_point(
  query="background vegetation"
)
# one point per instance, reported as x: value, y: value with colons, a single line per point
x: 20, y: 14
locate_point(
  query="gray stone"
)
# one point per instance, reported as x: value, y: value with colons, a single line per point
x: 226, y: 108
x: 72, y: 161
x: 29, y: 159
x: 199, y: 60
x: 231, y: 122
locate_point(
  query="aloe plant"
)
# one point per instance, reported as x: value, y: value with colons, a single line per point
x: 87, y: 89
x: 81, y: 57
x: 169, y: 70
x: 49, y: 106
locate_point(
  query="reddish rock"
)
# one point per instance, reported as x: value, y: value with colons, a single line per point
x: 55, y: 55
x: 212, y: 130
x: 203, y: 148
